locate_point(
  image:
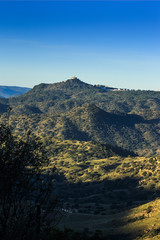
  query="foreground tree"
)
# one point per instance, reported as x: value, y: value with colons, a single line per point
x: 26, y: 200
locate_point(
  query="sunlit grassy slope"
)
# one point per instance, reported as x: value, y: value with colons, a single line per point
x: 139, y: 223
x: 78, y: 162
x: 116, y: 195
x: 86, y: 132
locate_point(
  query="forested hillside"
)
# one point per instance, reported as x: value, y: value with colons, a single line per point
x: 78, y: 111
x: 93, y: 137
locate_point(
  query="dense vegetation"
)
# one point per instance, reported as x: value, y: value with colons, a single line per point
x: 117, y: 196
x: 79, y: 111
x: 26, y: 189
x: 93, y: 137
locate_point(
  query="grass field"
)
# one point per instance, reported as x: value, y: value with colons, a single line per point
x: 140, y: 223
x: 117, y: 196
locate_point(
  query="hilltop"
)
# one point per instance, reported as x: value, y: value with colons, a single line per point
x: 65, y: 95
x: 105, y: 147
x: 76, y: 110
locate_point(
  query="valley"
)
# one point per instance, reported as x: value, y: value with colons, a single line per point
x: 105, y: 146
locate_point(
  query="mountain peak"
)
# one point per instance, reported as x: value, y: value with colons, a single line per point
x: 74, y: 83
x: 74, y: 80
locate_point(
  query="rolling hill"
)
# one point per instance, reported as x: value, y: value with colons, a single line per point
x: 117, y: 196
x: 61, y: 97
x: 79, y: 111
x: 93, y: 138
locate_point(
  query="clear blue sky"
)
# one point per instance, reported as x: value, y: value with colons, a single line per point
x: 107, y: 42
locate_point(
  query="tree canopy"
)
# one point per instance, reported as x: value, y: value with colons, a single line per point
x: 25, y: 185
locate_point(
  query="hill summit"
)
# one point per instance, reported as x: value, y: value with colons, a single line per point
x: 75, y: 80
x: 76, y: 110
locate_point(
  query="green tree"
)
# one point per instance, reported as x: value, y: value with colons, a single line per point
x: 26, y: 199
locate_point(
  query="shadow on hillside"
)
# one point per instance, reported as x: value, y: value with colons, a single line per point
x: 152, y: 121
x: 129, y: 120
x: 99, y: 199
x: 111, y: 167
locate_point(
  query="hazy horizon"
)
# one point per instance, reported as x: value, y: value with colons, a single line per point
x: 107, y: 42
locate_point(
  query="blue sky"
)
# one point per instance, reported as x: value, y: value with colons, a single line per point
x: 101, y: 42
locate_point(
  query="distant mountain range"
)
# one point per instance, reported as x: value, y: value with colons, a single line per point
x: 79, y: 111
x: 11, y: 91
